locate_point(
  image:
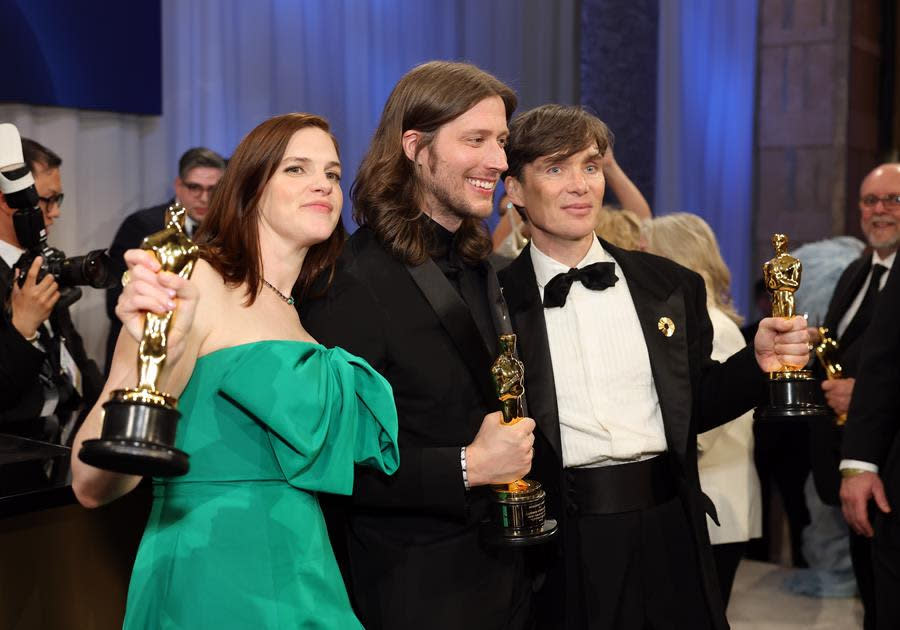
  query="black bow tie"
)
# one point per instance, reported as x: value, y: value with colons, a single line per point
x: 596, y: 276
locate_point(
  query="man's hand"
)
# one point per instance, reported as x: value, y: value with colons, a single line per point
x: 855, y: 494
x: 500, y: 453
x: 608, y: 161
x: 815, y: 335
x: 781, y: 343
x: 838, y: 393
x: 33, y: 301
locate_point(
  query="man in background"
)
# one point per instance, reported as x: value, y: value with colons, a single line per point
x: 46, y: 377
x: 199, y: 170
x: 849, y: 316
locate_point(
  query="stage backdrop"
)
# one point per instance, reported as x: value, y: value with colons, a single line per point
x: 229, y: 64
x: 704, y: 126
x: 102, y: 54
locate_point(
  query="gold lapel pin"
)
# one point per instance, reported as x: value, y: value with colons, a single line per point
x: 666, y: 326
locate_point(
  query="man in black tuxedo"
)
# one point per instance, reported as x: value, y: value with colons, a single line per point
x: 414, y: 296
x: 849, y: 314
x: 616, y: 346
x: 871, y: 449
x: 199, y: 170
x: 46, y: 377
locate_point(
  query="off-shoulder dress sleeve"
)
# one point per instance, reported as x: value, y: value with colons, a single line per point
x: 325, y: 411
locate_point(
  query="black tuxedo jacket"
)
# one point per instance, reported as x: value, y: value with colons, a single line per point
x: 825, y: 435
x: 136, y: 226
x: 695, y: 393
x: 21, y: 392
x: 415, y: 554
x: 872, y: 432
x: 846, y: 289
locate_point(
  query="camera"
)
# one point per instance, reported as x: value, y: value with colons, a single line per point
x: 17, y: 184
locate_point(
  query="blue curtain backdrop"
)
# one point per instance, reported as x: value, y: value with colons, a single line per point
x: 229, y: 64
x: 619, y: 51
x: 705, y: 117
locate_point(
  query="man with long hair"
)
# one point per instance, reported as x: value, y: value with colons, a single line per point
x: 411, y: 296
x: 616, y: 346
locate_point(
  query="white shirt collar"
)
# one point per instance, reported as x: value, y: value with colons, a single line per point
x: 10, y: 253
x: 888, y: 261
x: 546, y: 268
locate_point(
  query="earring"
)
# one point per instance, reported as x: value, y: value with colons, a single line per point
x: 509, y: 205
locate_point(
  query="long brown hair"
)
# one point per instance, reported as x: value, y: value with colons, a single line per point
x: 688, y: 240
x: 229, y: 235
x: 386, y: 190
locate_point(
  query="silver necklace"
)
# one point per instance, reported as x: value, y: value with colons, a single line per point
x: 287, y: 298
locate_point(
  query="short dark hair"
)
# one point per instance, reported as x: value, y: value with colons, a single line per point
x: 552, y: 130
x: 197, y: 157
x: 37, y: 153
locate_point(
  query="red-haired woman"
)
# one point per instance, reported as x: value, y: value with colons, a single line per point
x: 270, y: 417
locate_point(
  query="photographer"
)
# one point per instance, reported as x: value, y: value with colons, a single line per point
x: 46, y: 378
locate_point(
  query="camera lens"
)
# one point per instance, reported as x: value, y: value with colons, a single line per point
x: 93, y: 269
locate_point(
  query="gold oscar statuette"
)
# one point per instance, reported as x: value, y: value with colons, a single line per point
x: 828, y: 352
x: 138, y: 434
x: 793, y: 391
x: 520, y: 506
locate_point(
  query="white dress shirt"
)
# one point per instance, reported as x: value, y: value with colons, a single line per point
x: 608, y: 407
x: 857, y: 301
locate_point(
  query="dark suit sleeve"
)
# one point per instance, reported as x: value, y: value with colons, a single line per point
x: 429, y: 479
x: 127, y: 237
x: 19, y: 367
x: 874, y: 416
x: 727, y: 389
x: 91, y: 378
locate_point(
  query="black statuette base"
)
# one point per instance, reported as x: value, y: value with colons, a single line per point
x: 137, y: 439
x: 794, y: 398
x: 519, y: 517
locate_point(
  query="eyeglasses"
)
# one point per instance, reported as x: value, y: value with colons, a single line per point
x: 52, y: 200
x: 890, y: 201
x: 199, y: 189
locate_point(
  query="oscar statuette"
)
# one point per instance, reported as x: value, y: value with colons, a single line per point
x: 138, y: 433
x: 519, y: 513
x: 793, y: 392
x: 828, y: 353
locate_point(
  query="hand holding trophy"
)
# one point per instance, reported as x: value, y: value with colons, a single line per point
x: 139, y: 424
x: 828, y: 352
x: 793, y: 392
x: 519, y: 507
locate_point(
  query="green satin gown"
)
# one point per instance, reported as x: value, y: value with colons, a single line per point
x: 239, y: 542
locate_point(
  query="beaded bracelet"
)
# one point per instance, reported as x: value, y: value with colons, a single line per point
x: 463, y: 464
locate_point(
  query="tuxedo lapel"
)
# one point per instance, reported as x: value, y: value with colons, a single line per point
x: 457, y: 321
x: 654, y: 299
x: 845, y: 292
x: 527, y: 315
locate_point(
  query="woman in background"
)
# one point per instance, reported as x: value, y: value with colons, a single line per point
x: 622, y: 228
x: 725, y: 454
x: 270, y: 417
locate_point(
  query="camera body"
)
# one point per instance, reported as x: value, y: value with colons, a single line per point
x: 92, y: 269
x: 17, y: 184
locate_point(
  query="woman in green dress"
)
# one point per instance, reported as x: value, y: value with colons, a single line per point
x: 270, y: 417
